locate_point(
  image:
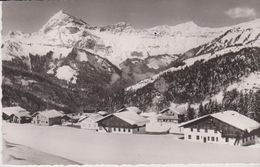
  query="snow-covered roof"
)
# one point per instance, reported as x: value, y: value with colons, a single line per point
x: 237, y: 120
x: 102, y: 113
x: 131, y: 109
x: 11, y: 110
x: 232, y: 118
x: 22, y: 114
x: 51, y: 113
x: 132, y: 118
x: 92, y: 118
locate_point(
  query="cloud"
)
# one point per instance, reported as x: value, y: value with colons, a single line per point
x: 241, y: 12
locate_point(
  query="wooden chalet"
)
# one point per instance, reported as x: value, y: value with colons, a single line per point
x: 228, y: 127
x: 170, y: 115
x: 90, y: 122
x: 16, y: 114
x: 124, y: 121
x: 48, y: 117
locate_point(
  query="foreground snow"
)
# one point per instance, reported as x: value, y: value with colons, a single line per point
x: 98, y: 148
x: 14, y: 154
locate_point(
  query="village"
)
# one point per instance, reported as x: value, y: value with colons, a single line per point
x: 224, y: 127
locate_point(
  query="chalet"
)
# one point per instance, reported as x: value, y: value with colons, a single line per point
x: 126, y: 122
x: 228, y: 127
x: 48, y: 117
x: 170, y: 115
x: 21, y: 117
x: 8, y: 111
x: 90, y: 122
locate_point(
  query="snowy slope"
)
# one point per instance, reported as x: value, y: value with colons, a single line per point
x: 241, y: 36
x: 90, y: 148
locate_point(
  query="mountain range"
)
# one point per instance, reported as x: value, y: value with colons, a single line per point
x: 72, y: 65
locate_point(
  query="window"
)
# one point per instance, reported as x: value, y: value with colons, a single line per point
x: 243, y: 140
x: 124, y: 129
x: 212, y: 139
x: 138, y: 129
x: 114, y: 129
x: 206, y: 130
x: 198, y: 137
x: 198, y: 130
x: 119, y: 129
x: 246, y: 139
x: 208, y: 138
x: 216, y: 138
x: 189, y: 136
x: 191, y: 129
x: 129, y: 130
x: 226, y: 139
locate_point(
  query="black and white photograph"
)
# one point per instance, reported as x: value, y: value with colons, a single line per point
x: 114, y: 82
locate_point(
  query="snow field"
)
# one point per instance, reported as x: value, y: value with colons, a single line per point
x: 98, y: 148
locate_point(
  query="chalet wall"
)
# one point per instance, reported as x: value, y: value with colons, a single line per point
x: 212, y: 136
x: 139, y: 130
x: 42, y: 120
x: 89, y: 125
x: 114, y: 121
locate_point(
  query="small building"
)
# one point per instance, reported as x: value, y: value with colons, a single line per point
x: 228, y: 127
x: 124, y: 122
x: 8, y: 111
x: 48, y: 117
x: 21, y: 117
x: 90, y: 122
x: 170, y: 115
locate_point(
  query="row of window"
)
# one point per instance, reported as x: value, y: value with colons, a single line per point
x: 124, y: 130
x: 207, y: 138
x: 206, y: 130
x: 167, y: 120
x: 248, y: 138
x: 119, y: 129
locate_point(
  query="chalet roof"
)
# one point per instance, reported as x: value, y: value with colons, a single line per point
x: 92, y: 118
x: 102, y: 113
x: 22, y: 114
x: 51, y: 113
x: 232, y: 118
x: 131, y: 109
x: 176, y: 110
x: 132, y: 118
x: 11, y: 110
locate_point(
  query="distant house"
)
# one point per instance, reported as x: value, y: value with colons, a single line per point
x: 8, y: 111
x: 90, y: 122
x: 126, y: 122
x: 170, y: 115
x: 48, y: 117
x: 228, y: 127
x: 21, y: 117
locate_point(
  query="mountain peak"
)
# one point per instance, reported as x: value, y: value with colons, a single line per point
x: 60, y: 19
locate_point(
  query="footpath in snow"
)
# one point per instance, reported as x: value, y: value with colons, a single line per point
x: 87, y: 147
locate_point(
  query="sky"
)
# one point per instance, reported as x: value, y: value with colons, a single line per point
x: 29, y: 16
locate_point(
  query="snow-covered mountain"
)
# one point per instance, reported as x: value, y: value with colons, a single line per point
x: 244, y: 35
x: 73, y: 64
x: 116, y: 42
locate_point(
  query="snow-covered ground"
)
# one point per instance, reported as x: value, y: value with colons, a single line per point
x: 100, y: 148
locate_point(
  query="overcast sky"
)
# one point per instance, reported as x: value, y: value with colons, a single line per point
x: 29, y: 16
